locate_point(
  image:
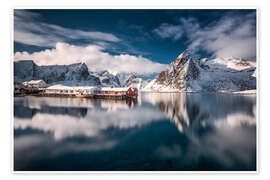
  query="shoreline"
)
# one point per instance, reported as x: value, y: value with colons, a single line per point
x: 245, y: 92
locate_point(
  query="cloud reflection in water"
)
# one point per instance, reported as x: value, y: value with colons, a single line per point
x: 183, y: 130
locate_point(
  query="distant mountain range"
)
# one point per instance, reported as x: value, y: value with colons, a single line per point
x: 186, y: 74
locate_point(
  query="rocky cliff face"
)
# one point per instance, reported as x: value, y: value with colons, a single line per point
x: 135, y: 80
x: 190, y: 74
x: 182, y: 70
x: 107, y: 79
x: 27, y: 70
x: 129, y: 80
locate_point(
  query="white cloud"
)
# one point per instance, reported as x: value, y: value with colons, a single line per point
x: 169, y: 31
x: 29, y: 29
x: 94, y: 57
x: 232, y: 35
x: 177, y: 31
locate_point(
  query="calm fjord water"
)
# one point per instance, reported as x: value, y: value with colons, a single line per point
x: 167, y: 131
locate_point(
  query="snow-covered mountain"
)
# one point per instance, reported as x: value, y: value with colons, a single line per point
x: 72, y: 75
x: 190, y: 74
x: 136, y: 80
x: 27, y: 70
x: 186, y: 74
x: 107, y: 79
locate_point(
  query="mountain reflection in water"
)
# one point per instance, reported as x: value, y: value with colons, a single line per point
x: 159, y: 131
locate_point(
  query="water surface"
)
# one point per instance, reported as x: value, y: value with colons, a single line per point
x: 158, y: 131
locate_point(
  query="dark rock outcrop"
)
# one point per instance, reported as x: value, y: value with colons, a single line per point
x: 182, y: 70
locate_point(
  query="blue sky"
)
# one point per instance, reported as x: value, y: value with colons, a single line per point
x: 132, y: 37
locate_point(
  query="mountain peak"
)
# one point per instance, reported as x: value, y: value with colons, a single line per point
x: 184, y: 57
x: 187, y: 54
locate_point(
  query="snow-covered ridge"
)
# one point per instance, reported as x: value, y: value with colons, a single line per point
x: 62, y: 76
x: 190, y: 74
x: 230, y: 64
x: 187, y: 73
x: 27, y: 70
x: 74, y: 76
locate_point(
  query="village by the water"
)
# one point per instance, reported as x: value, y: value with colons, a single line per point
x: 39, y: 88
